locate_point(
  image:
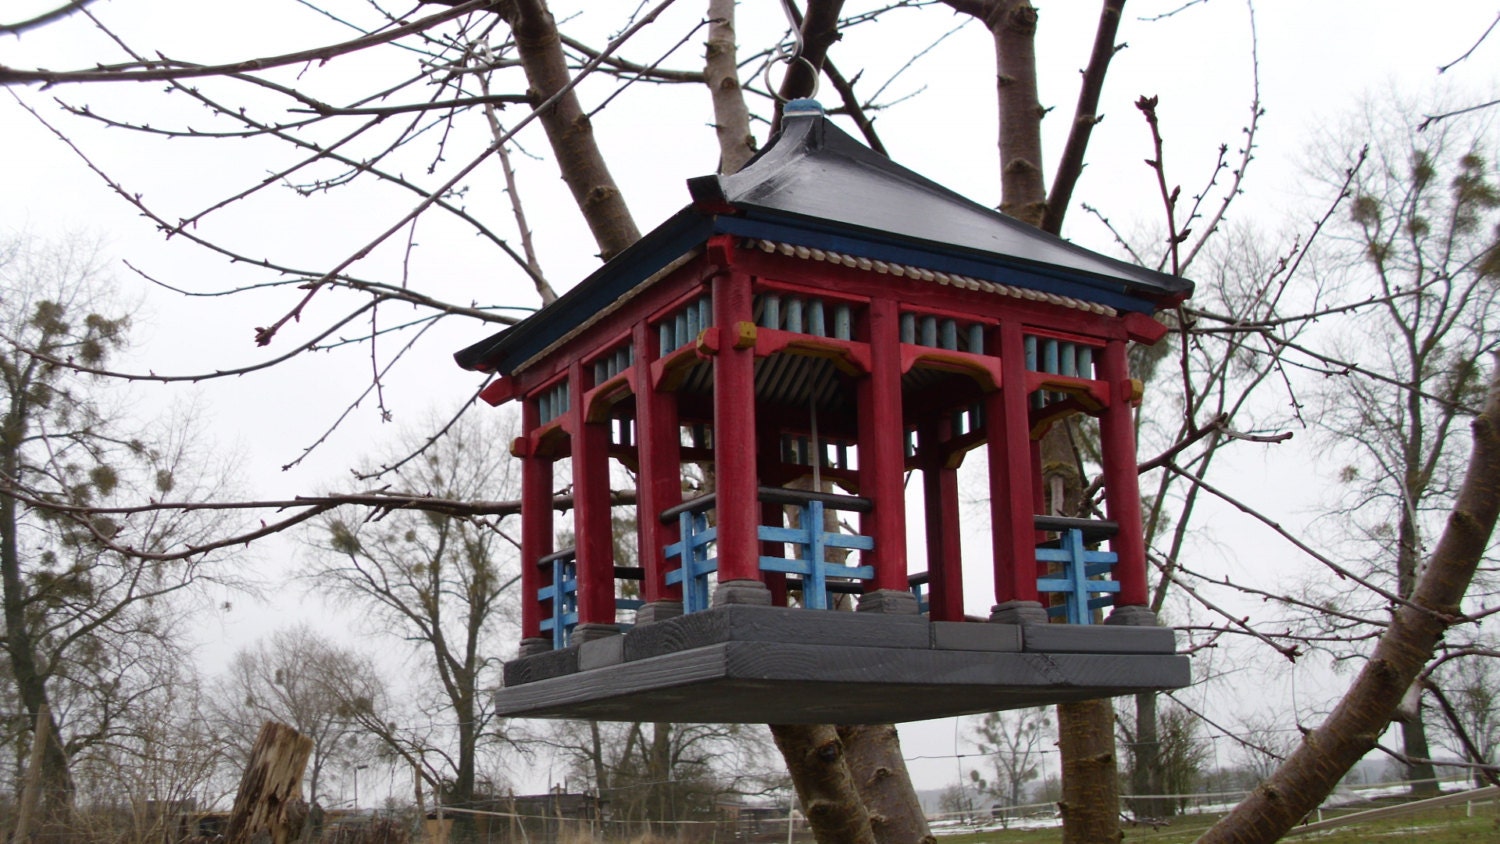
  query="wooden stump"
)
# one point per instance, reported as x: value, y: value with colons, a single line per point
x: 268, y: 806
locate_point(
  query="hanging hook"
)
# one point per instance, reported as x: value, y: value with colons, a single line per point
x: 790, y: 54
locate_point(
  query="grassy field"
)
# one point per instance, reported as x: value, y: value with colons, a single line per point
x: 1450, y: 825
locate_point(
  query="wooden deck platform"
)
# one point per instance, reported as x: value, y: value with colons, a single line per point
x: 749, y: 664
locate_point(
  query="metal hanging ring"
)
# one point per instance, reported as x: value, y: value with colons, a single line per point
x: 789, y: 59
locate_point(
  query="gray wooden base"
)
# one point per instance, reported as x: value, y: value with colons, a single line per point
x: 750, y: 664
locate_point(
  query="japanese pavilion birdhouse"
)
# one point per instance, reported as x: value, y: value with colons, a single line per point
x: 777, y: 366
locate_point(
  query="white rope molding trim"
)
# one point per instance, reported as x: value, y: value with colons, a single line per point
x: 951, y: 279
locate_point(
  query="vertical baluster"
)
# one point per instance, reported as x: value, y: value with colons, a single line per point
x: 815, y: 325
x: 1031, y: 359
x: 1086, y: 362
x: 544, y: 406
x: 843, y: 323
x: 909, y: 328
x: 601, y: 372
x: 664, y: 332
x: 694, y: 323
x: 1049, y: 356
x: 976, y: 339
x: 929, y: 332
x: 770, y: 316
x: 705, y: 309
x: 948, y: 335
x: 794, y: 315
x: 680, y: 323
x: 976, y: 416
x: 1070, y: 359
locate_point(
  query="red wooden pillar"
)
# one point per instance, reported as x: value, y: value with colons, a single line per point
x: 735, y: 479
x: 1122, y: 495
x: 882, y: 450
x: 593, y: 534
x: 659, y: 486
x: 1012, y: 487
x: 945, y: 582
x: 536, y: 528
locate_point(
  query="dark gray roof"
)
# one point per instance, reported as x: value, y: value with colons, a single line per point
x: 815, y: 186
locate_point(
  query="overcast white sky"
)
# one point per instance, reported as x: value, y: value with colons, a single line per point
x: 1318, y: 60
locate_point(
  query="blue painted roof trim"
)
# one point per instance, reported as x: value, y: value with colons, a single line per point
x: 503, y: 352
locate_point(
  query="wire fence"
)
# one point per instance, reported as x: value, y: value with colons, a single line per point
x: 583, y: 819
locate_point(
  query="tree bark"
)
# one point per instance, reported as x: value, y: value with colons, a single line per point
x: 569, y: 131
x: 1306, y: 778
x: 1145, y: 757
x: 56, y: 781
x: 1023, y: 188
x: 830, y: 800
x: 721, y: 70
x: 873, y: 754
x: 269, y: 799
x: 1091, y: 790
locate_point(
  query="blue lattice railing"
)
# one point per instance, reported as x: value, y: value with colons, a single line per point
x: 812, y: 543
x: 560, y: 576
x: 694, y: 564
x: 560, y: 594
x: 816, y: 575
x: 1077, y: 582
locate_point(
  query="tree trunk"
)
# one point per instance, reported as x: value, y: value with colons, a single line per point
x: 270, y: 794
x: 1145, y: 758
x: 55, y: 780
x: 1422, y: 775
x: 1023, y: 188
x: 568, y: 129
x: 1419, y: 771
x: 833, y: 806
x: 1090, y: 805
x: 721, y: 71
x: 873, y: 754
x: 1306, y: 778
x: 31, y: 792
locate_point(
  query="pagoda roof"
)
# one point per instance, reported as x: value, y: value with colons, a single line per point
x: 814, y: 186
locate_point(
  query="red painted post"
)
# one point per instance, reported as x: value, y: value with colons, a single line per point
x: 882, y: 448
x: 536, y: 520
x: 945, y: 580
x: 1012, y: 492
x: 593, y: 536
x: 660, y: 483
x: 1122, y: 494
x: 734, y: 426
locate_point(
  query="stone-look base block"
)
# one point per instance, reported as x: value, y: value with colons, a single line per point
x: 601, y: 652
x: 889, y: 602
x: 658, y: 611
x: 1131, y: 617
x: 589, y: 632
x: 749, y: 592
x: 1019, y: 612
x: 752, y: 664
x: 532, y: 647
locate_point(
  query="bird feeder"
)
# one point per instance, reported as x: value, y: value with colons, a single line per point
x: 744, y: 412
